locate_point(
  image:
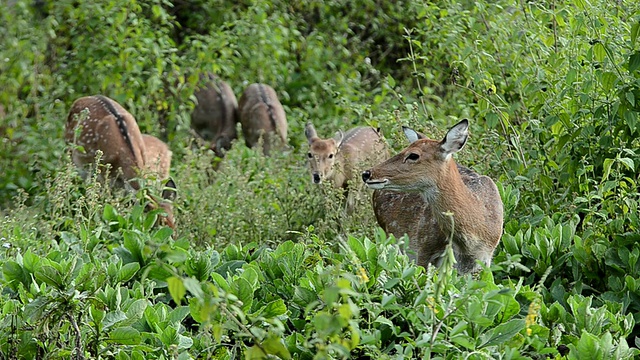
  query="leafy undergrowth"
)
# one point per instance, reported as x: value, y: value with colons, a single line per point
x: 128, y: 292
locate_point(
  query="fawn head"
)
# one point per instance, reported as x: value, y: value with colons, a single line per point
x: 322, y: 154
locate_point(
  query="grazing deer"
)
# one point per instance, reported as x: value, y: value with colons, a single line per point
x: 426, y: 184
x: 111, y: 129
x: 215, y: 115
x: 262, y: 115
x: 340, y: 158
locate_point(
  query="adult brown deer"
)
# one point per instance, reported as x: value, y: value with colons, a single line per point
x: 262, y: 115
x: 109, y: 128
x: 215, y: 115
x: 426, y: 184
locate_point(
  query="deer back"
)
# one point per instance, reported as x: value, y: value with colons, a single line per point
x: 360, y: 147
x: 418, y: 187
x: 215, y: 115
x: 157, y: 157
x: 110, y: 128
x: 262, y: 115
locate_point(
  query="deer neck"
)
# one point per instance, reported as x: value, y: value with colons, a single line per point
x: 450, y: 195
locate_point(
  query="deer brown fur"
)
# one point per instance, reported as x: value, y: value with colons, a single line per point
x: 108, y: 128
x: 111, y: 129
x: 215, y: 115
x: 262, y: 115
x: 416, y: 189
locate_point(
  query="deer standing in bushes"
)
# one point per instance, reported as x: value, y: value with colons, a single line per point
x: 342, y: 158
x: 427, y: 187
x: 111, y: 129
x: 215, y: 115
x: 262, y: 116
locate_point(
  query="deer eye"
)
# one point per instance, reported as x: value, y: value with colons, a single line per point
x: 330, y: 156
x: 309, y: 155
x: 412, y: 157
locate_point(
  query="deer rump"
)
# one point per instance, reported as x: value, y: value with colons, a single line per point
x: 261, y: 115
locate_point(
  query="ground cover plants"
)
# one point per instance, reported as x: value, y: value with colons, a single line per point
x: 263, y: 263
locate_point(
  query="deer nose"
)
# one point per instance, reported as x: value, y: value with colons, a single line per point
x: 366, y: 175
x: 316, y: 178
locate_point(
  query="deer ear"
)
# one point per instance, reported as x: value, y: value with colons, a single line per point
x: 310, y: 132
x: 338, y: 137
x: 455, y: 138
x: 411, y: 134
x: 170, y: 190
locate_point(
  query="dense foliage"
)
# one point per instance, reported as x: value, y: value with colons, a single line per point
x: 265, y: 265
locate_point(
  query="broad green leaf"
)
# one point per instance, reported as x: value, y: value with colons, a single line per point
x: 169, y: 336
x: 49, y: 275
x: 14, y: 272
x: 391, y: 81
x: 631, y: 118
x: 251, y: 275
x: 31, y: 261
x: 151, y: 316
x: 109, y: 213
x: 607, y: 168
x: 135, y: 246
x: 628, y: 163
x: 220, y: 281
x: 635, y: 31
x: 255, y: 353
x: 599, y: 51
x: 634, y: 61
x: 303, y: 296
x: 175, y: 255
x: 504, y: 332
x: 587, y: 348
x: 125, y: 336
x: 464, y: 341
x: 128, y: 271
x: 178, y: 314
x: 97, y: 314
x: 33, y: 310
x: 176, y: 289
x: 112, y: 318
x: 273, y: 345
x: 162, y: 235
x: 194, y: 287
x: 136, y: 309
x: 243, y: 290
x: 630, y: 97
x: 357, y: 247
x: 274, y: 308
x: 184, y: 342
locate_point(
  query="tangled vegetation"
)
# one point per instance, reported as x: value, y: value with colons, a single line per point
x: 266, y: 265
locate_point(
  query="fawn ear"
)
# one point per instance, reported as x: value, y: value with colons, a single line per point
x: 170, y: 190
x: 455, y: 138
x: 338, y: 137
x: 411, y: 134
x: 310, y: 132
